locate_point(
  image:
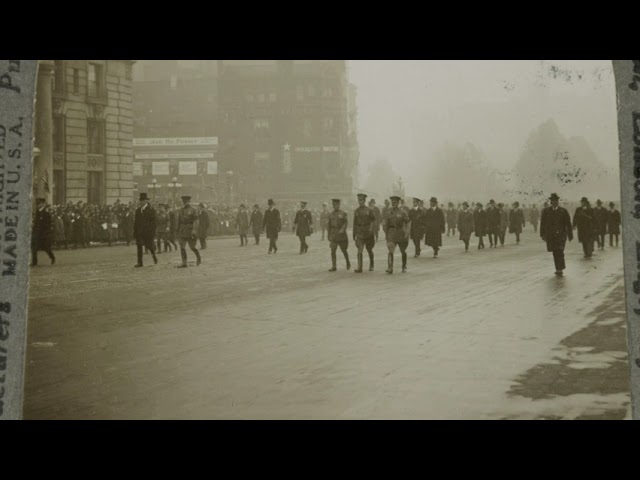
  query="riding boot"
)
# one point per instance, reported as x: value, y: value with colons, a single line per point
x: 346, y: 257
x: 359, y: 269
x: 333, y: 262
x: 183, y: 254
x: 390, y: 263
x: 404, y: 262
x: 371, y: 262
x: 198, y: 258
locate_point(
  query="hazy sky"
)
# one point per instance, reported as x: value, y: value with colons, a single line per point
x: 407, y: 109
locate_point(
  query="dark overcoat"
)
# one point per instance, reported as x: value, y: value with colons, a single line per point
x: 493, y: 221
x: 480, y: 222
x: 42, y: 233
x: 555, y: 228
x: 465, y: 224
x: 303, y: 222
x: 144, y: 224
x: 256, y: 222
x: 272, y: 223
x: 203, y: 224
x: 613, y: 222
x: 434, y: 227
x: 418, y: 223
x: 583, y: 222
x: 600, y: 217
x: 516, y: 221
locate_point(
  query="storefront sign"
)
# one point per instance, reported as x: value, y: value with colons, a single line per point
x: 160, y: 168
x: 188, y: 168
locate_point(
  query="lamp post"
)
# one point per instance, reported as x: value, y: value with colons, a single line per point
x: 174, y: 186
x: 153, y: 186
x: 229, y: 177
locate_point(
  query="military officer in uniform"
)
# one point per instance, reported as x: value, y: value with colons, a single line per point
x: 144, y: 228
x: 418, y: 220
x: 337, y: 234
x: 272, y: 224
x: 364, y: 224
x: 188, y: 231
x: 555, y: 229
x: 42, y: 233
x: 395, y: 227
x: 303, y: 226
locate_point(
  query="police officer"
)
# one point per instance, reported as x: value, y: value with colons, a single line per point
x: 364, y: 224
x: 337, y: 234
x: 42, y: 233
x: 144, y: 228
x: 188, y: 230
x: 395, y: 226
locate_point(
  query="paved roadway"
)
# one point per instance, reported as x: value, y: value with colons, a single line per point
x: 480, y: 335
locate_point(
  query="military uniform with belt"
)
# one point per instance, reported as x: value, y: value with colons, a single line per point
x: 337, y: 234
x: 364, y: 224
x: 188, y: 231
x: 395, y: 228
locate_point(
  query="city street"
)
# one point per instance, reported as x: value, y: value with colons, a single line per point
x: 489, y: 334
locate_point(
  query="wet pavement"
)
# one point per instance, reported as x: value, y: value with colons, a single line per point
x: 486, y: 334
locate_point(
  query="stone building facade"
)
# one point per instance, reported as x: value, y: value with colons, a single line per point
x: 84, y: 131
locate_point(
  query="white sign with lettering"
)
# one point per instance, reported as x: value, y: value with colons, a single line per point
x: 188, y: 168
x: 172, y: 142
x: 160, y: 168
x: 212, y: 168
x: 167, y: 156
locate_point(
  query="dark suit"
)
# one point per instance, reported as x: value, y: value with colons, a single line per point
x: 613, y: 225
x: 555, y: 229
x: 465, y: 226
x: 255, y: 222
x: 493, y: 225
x: 583, y: 222
x: 272, y: 224
x: 418, y: 227
x: 434, y: 228
x: 144, y: 229
x: 480, y: 226
x: 303, y: 224
x: 42, y: 235
x: 516, y: 223
x: 203, y: 228
x: 600, y: 216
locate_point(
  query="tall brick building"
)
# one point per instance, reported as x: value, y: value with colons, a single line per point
x: 84, y: 131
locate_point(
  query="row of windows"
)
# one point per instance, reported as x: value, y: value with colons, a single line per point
x: 95, y: 187
x: 302, y: 92
x: 95, y: 80
x: 95, y: 135
x: 261, y: 126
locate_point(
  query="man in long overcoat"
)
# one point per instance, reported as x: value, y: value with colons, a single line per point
x: 303, y: 226
x: 465, y: 225
x: 203, y: 225
x: 480, y: 224
x: 255, y: 222
x: 493, y: 224
x: 452, y: 219
x: 418, y: 225
x: 144, y: 228
x: 434, y: 226
x: 516, y: 221
x: 613, y: 223
x: 242, y: 224
x: 272, y: 224
x: 42, y: 232
x: 555, y: 229
x: 188, y: 223
x: 583, y: 222
x: 600, y: 215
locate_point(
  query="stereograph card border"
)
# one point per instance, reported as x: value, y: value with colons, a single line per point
x: 17, y: 102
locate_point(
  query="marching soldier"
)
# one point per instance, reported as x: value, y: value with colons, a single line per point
x: 435, y: 226
x: 337, y: 234
x: 324, y: 219
x: 516, y: 221
x: 364, y: 224
x: 583, y: 222
x: 378, y: 215
x: 418, y: 230
x: 303, y: 226
x: 555, y: 229
x: 162, y: 228
x: 144, y: 228
x: 600, y: 223
x: 188, y: 231
x: 465, y: 225
x: 272, y: 224
x: 395, y: 226
x: 613, y: 223
x: 42, y: 233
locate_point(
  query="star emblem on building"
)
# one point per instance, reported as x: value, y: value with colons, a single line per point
x: 287, y: 147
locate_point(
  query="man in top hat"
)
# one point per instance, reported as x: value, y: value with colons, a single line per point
x: 378, y: 215
x: 324, y: 219
x: 452, y: 219
x: 203, y: 225
x: 42, y: 232
x: 337, y: 234
x: 583, y: 222
x: 395, y: 226
x: 144, y: 228
x: 493, y: 224
x: 434, y: 226
x: 364, y: 224
x: 303, y: 226
x: 162, y: 228
x: 516, y: 221
x: 272, y: 224
x: 600, y: 215
x: 418, y: 227
x: 613, y: 223
x: 555, y: 229
x: 255, y: 222
x: 465, y: 224
x: 242, y: 224
x: 188, y: 230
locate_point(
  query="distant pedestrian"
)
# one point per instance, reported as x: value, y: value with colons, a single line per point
x: 583, y: 222
x: 600, y: 219
x: 465, y: 225
x: 614, y: 221
x: 493, y: 224
x: 504, y: 223
x: 452, y: 219
x: 364, y: 224
x: 188, y: 231
x: 378, y: 215
x: 516, y: 221
x: 480, y: 224
x: 242, y: 224
x: 555, y: 230
x: 417, y: 231
x: 255, y: 222
x: 203, y: 225
x: 324, y: 219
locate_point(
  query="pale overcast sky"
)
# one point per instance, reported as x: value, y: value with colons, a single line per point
x: 407, y: 108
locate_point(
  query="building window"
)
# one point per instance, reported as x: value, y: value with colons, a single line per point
x: 58, y: 76
x: 76, y: 81
x: 95, y: 188
x: 307, y: 128
x: 300, y: 93
x: 273, y: 97
x: 95, y: 137
x: 95, y: 80
x: 58, y: 133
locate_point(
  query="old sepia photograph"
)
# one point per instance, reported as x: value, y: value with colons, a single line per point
x: 324, y: 240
